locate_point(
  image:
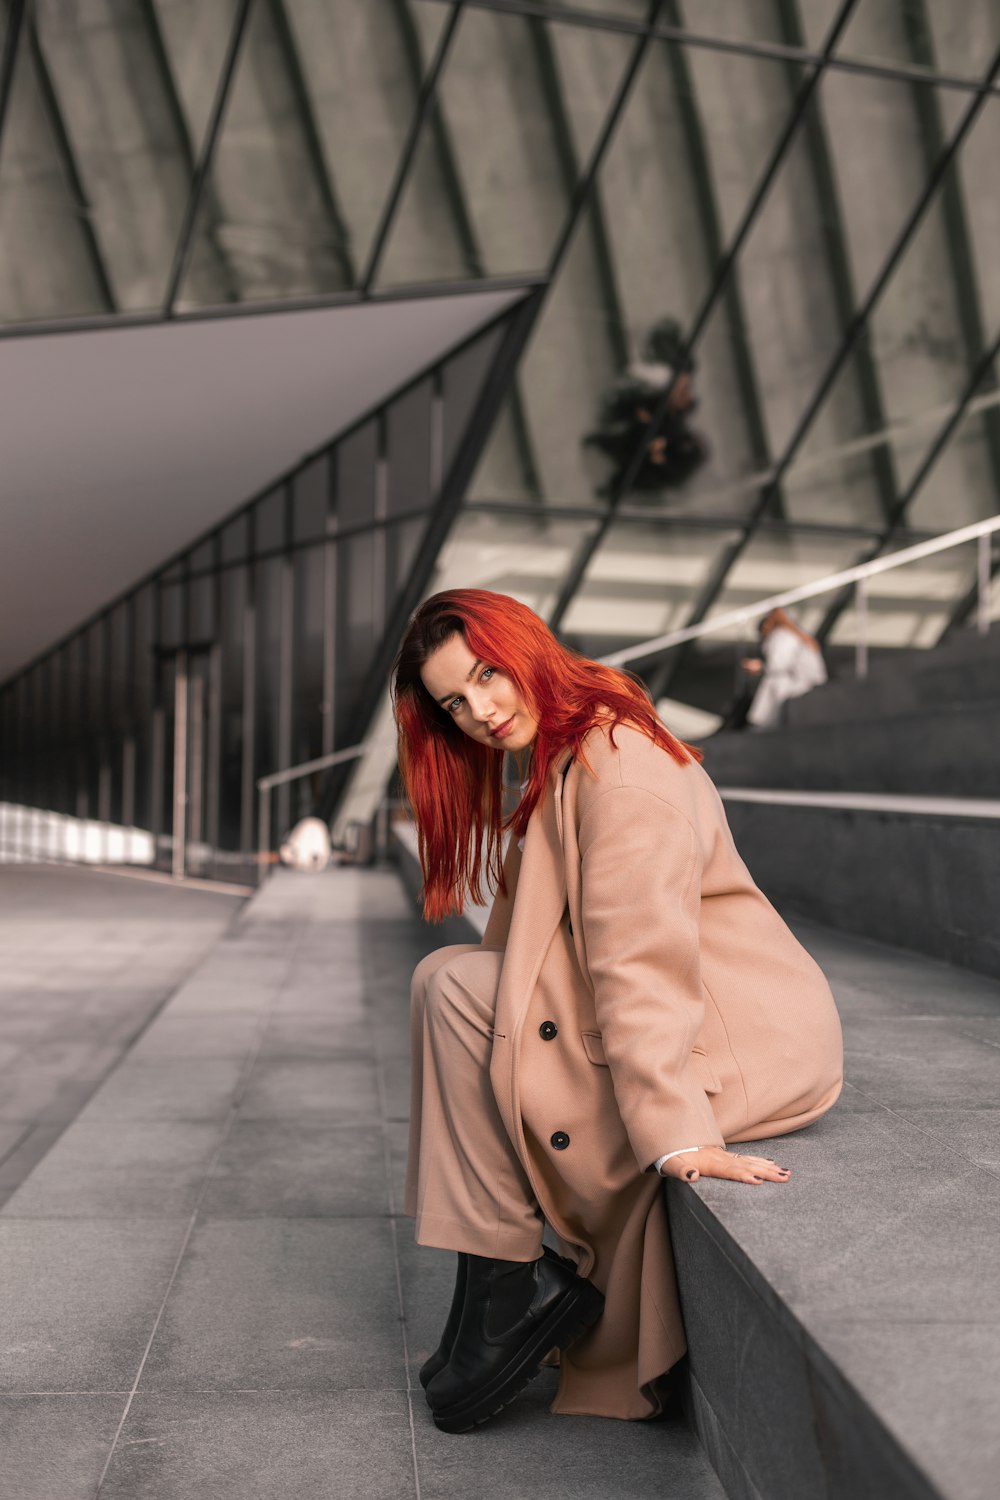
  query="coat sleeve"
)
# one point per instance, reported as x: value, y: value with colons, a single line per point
x: 641, y: 901
x: 498, y: 923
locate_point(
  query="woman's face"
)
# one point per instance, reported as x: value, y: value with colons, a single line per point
x: 483, y: 702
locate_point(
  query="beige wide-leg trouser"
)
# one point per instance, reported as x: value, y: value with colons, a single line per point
x: 464, y: 1184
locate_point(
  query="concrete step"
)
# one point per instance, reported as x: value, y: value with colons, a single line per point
x: 921, y: 877
x: 964, y: 671
x: 950, y: 751
x: 845, y: 1330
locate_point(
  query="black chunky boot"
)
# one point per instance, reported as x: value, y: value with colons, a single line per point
x: 441, y: 1354
x: 514, y: 1313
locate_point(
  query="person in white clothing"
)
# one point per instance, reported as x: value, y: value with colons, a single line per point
x: 791, y: 663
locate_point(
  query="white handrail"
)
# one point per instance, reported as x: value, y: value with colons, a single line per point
x: 978, y: 529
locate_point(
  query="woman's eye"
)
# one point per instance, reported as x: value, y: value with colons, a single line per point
x: 486, y: 672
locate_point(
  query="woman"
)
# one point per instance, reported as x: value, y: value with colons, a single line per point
x: 635, y: 1004
x: 791, y: 663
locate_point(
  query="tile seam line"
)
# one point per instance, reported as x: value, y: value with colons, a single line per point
x: 392, y: 1216
x: 238, y: 1094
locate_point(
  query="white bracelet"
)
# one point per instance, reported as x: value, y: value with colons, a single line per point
x: 683, y: 1151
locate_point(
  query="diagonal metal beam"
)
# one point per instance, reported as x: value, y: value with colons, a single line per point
x: 857, y: 325
x: 178, y: 117
x: 724, y: 269
x: 958, y: 242
x: 432, y: 118
x: 322, y: 175
x: 569, y: 168
x: 71, y: 171
x: 980, y: 370
x: 16, y: 17
x: 199, y: 180
x: 834, y: 240
x: 426, y: 106
x: 708, y: 213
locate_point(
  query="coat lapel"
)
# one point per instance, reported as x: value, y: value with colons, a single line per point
x: 538, y: 906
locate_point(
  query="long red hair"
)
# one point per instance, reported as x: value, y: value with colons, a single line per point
x: 454, y: 784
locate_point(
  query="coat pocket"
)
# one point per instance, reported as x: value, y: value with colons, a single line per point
x: 706, y: 1073
x: 594, y: 1047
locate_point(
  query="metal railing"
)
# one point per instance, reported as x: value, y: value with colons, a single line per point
x: 978, y: 531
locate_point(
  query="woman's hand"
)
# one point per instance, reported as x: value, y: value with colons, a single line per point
x: 716, y: 1161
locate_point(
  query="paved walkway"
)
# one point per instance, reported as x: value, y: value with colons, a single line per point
x: 208, y: 1291
x: 86, y: 959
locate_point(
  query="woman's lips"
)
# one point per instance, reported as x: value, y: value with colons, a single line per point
x: 503, y: 729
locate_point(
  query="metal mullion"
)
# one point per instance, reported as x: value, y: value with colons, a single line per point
x: 71, y: 170
x: 426, y: 104
x: 16, y: 18
x: 182, y: 253
x: 710, y: 593
x: 834, y: 240
x: 322, y: 173
x: 569, y: 166
x: 175, y: 109
x: 720, y: 277
x: 697, y: 146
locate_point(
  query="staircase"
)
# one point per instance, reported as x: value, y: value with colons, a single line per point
x: 875, y: 807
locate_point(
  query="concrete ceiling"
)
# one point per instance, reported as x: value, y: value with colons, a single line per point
x: 119, y: 447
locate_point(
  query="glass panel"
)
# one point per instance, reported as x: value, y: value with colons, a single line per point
x: 910, y: 606
x: 933, y: 34
x: 49, y: 266
x: 750, y: 20
x: 173, y: 625
x: 233, y: 599
x: 362, y: 67
x: 920, y: 343
x: 775, y: 561
x: 641, y: 583
x: 311, y: 500
x: 526, y: 558
x: 267, y: 594
x: 308, y: 707
x: 234, y: 540
x: 132, y: 147
x: 676, y: 182
x: 272, y: 202
x: 492, y: 184
x: 409, y: 450
x: 201, y: 607
x: 355, y: 469
x: 357, y: 590
x: 269, y: 522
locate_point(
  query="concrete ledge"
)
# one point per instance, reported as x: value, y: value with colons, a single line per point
x: 777, y: 1418
x: 924, y: 881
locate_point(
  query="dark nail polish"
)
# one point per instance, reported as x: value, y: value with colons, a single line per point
x: 690, y: 1174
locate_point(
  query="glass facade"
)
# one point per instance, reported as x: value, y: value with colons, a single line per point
x: 763, y: 342
x: 254, y: 651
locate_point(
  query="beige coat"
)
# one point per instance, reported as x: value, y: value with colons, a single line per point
x: 686, y: 1012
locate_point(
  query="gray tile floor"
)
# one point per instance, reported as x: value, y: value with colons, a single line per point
x: 208, y: 1289
x: 87, y: 959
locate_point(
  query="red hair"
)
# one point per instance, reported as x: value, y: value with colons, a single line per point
x: 454, y: 784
